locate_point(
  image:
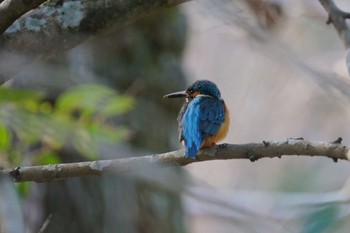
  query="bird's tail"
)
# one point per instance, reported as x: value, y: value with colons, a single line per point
x: 191, y: 151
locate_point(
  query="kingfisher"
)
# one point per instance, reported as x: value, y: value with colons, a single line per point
x: 203, y: 119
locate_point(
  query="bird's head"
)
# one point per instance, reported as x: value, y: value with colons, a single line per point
x: 200, y: 87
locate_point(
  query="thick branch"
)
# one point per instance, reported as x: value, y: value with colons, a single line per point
x: 252, y: 151
x: 10, y: 10
x: 58, y: 26
x: 338, y: 18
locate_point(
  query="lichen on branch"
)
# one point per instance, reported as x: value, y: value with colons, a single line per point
x: 57, y: 26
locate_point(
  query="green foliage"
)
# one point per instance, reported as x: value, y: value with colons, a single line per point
x: 47, y: 157
x: 103, y: 102
x: 22, y: 98
x: 4, y: 138
x: 81, y: 119
x: 23, y: 189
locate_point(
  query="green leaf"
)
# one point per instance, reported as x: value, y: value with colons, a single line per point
x: 23, y: 189
x: 80, y: 119
x: 92, y: 99
x: 48, y: 158
x: 116, y: 106
x: 84, y: 97
x: 84, y: 143
x: 5, y: 138
x: 21, y: 97
x: 107, y: 134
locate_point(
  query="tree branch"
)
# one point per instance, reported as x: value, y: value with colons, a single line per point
x: 338, y: 18
x: 10, y: 10
x: 57, y: 26
x: 252, y: 151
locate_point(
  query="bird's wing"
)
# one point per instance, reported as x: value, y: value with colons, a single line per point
x: 201, y: 119
x: 180, y: 119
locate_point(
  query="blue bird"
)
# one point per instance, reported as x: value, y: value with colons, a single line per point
x: 204, y: 119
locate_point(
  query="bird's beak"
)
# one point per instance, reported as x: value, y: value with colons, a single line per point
x: 179, y: 94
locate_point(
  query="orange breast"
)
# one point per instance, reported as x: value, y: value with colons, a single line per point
x: 212, y: 140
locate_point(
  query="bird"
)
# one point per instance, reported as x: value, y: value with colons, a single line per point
x: 203, y: 119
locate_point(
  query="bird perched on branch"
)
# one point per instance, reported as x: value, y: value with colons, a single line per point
x: 204, y: 119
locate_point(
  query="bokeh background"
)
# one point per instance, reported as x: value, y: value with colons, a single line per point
x: 279, y: 81
x: 281, y: 71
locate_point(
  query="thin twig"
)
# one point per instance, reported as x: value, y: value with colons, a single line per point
x: 252, y: 151
x: 46, y: 223
x: 338, y: 18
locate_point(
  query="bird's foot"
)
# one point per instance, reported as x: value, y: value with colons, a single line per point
x: 212, y: 144
x: 223, y: 145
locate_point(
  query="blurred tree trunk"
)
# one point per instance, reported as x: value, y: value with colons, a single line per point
x: 143, y: 60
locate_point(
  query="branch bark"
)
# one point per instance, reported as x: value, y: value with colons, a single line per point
x: 58, y: 26
x: 338, y: 18
x: 252, y: 151
x: 10, y: 10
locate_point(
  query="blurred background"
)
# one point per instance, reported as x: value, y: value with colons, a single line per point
x: 282, y: 73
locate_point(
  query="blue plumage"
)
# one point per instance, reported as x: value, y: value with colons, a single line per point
x: 201, y: 117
